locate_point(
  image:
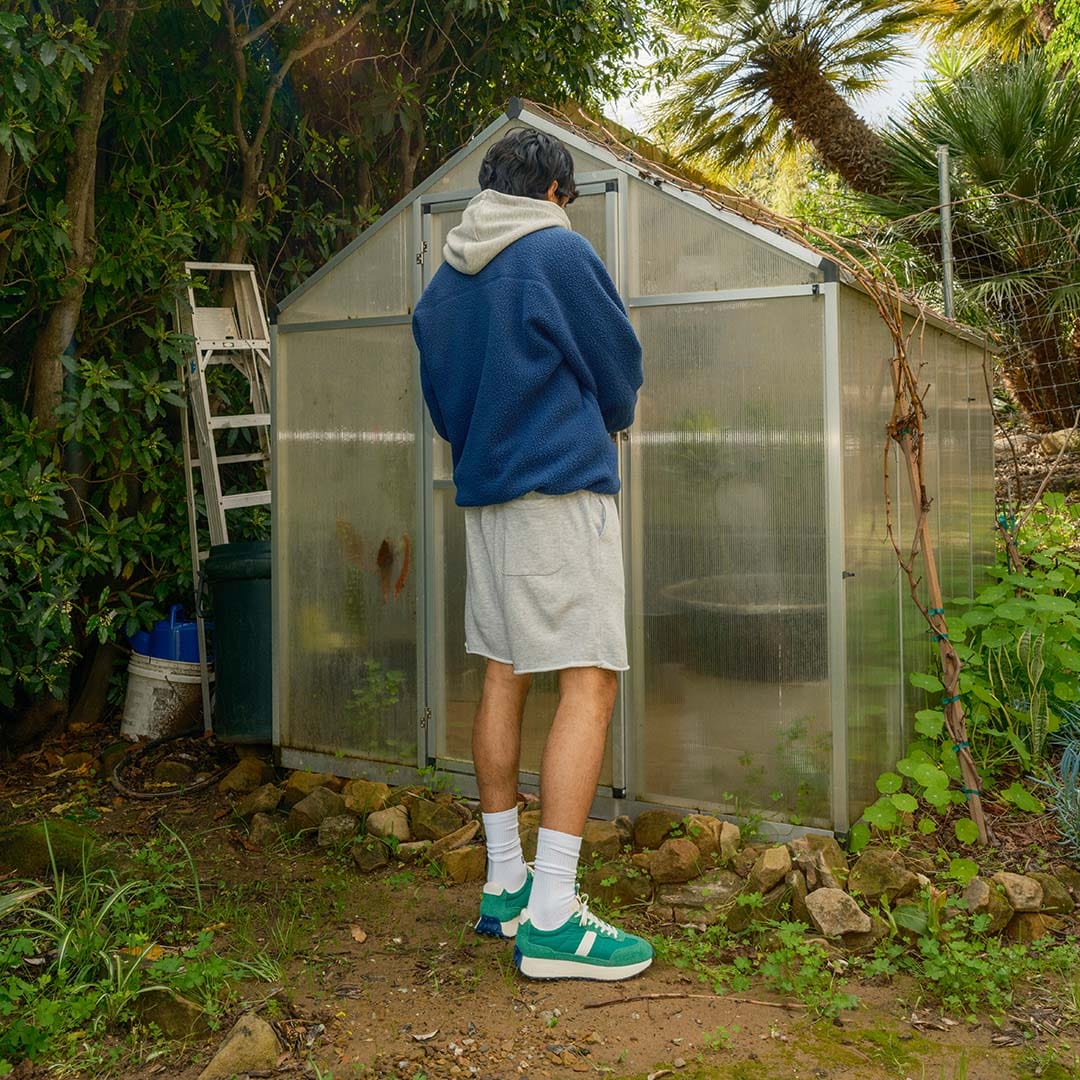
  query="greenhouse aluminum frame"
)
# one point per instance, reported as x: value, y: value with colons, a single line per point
x: 770, y: 633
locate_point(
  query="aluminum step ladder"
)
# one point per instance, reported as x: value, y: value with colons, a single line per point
x: 234, y: 333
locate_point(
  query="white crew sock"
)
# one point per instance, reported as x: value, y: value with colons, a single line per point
x: 506, y: 867
x: 551, y: 901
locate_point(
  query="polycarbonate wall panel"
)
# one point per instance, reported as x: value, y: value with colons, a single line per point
x: 373, y: 280
x: 981, y: 455
x: 872, y: 597
x: 346, y: 542
x: 729, y: 456
x: 676, y: 248
x: 464, y: 175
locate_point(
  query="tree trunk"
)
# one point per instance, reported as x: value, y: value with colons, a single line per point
x: 59, y: 329
x: 817, y: 113
x: 91, y: 697
x: 1045, y: 17
x: 249, y: 201
x: 1044, y: 371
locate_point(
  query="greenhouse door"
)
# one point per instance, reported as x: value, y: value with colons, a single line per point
x: 454, y: 679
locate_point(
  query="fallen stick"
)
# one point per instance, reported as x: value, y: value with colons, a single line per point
x: 700, y: 997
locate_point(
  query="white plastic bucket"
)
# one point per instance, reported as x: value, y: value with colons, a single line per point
x: 164, y: 697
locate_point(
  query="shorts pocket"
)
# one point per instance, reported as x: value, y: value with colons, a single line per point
x: 534, y: 541
x: 600, y: 515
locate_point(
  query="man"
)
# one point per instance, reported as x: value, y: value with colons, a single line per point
x: 529, y: 365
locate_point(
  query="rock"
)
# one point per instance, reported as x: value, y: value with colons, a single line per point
x: 1028, y: 926
x: 1056, y: 898
x: 600, y: 839
x: 528, y: 829
x: 337, y: 830
x: 311, y: 811
x: 730, y: 838
x: 1022, y: 892
x: 393, y: 821
x: 624, y: 824
x: 370, y: 854
x: 251, y: 1046
x: 834, y: 913
x: 263, y: 800
x: 302, y: 783
x: 677, y: 859
x: 743, y: 862
x: 265, y: 830
x: 246, y: 776
x: 880, y: 872
x: 173, y: 772
x: 642, y: 860
x: 81, y: 761
x: 653, y: 826
x: 365, y: 796
x: 466, y: 864
x: 704, y: 830
x: 769, y: 869
x: 616, y: 885
x: 413, y: 850
x: 858, y: 942
x: 1070, y: 878
x: 174, y: 1016
x: 986, y: 898
x: 703, y: 902
x: 822, y: 861
x: 26, y: 848
x: 1066, y: 439
x: 769, y: 909
x: 797, y: 884
x: 431, y: 820
x: 452, y: 841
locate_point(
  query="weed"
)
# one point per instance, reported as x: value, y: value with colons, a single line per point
x: 801, y: 967
x: 720, y: 1039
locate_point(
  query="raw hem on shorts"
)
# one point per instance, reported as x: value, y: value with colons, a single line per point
x: 554, y: 667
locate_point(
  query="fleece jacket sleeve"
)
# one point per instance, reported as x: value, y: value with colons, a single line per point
x: 587, y: 319
x: 427, y: 389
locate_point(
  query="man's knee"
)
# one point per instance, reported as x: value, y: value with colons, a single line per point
x: 595, y: 685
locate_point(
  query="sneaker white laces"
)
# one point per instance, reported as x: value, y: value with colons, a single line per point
x: 588, y: 919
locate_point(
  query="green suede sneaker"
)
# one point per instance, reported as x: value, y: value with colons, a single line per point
x: 584, y: 947
x: 500, y: 909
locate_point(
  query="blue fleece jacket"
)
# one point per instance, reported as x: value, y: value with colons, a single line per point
x: 526, y: 367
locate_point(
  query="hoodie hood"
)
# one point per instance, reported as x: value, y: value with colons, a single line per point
x: 492, y: 222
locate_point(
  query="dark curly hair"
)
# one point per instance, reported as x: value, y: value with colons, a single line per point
x: 525, y: 162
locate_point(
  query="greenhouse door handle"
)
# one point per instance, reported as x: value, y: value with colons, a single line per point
x: 845, y: 574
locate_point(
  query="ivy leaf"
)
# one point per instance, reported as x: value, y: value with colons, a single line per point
x: 926, y: 826
x: 859, y: 837
x: 967, y: 832
x: 963, y: 870
x: 930, y: 722
x: 882, y: 814
x: 930, y: 776
x: 906, y: 804
x: 889, y: 782
x: 923, y: 681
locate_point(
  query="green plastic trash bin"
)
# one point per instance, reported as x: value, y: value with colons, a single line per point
x: 238, y: 580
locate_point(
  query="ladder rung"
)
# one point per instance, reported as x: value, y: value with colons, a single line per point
x: 260, y: 419
x: 245, y: 498
x: 232, y: 459
x: 230, y: 344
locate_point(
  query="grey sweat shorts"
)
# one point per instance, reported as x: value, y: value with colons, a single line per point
x: 545, y: 586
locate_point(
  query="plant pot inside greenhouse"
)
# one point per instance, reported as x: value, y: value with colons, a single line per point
x: 753, y: 627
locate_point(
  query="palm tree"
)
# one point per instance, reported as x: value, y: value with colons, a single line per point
x: 1006, y: 29
x: 755, y: 76
x: 1014, y: 133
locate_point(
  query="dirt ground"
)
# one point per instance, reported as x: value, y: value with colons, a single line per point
x: 421, y: 996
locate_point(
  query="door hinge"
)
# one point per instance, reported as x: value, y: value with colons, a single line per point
x: 421, y: 253
x: 425, y: 717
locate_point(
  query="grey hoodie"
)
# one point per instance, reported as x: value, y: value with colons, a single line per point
x: 492, y: 222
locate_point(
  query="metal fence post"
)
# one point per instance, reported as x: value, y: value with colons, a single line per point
x: 945, y: 198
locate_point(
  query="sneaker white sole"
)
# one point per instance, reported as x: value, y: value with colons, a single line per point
x: 534, y: 967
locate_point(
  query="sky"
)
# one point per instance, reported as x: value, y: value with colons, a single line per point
x: 876, y: 108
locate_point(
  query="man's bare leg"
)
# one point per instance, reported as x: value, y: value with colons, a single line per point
x: 574, y: 753
x: 496, y: 754
x: 569, y: 771
x: 496, y: 739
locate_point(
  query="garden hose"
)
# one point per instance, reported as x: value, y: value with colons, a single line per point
x: 130, y: 793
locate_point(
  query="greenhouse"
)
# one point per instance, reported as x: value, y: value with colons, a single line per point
x: 770, y: 631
